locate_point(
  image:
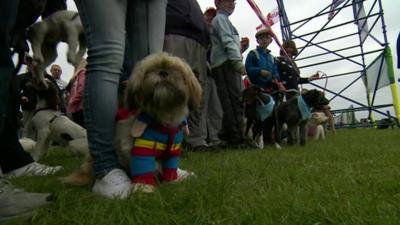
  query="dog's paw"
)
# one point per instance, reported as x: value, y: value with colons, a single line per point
x: 184, y: 175
x: 144, y: 188
x: 277, y: 146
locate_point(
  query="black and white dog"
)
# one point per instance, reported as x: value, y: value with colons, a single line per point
x: 260, y: 114
x: 296, y: 112
x: 50, y: 125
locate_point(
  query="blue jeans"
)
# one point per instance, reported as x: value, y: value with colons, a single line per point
x: 105, y: 24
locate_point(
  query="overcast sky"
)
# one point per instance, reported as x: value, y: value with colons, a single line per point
x: 246, y: 21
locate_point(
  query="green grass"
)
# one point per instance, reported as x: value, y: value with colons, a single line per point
x: 350, y: 178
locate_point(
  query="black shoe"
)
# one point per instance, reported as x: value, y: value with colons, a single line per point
x: 244, y: 144
x: 198, y: 148
x: 201, y: 148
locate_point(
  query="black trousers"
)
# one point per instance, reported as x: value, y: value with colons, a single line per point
x: 229, y: 85
x: 12, y: 156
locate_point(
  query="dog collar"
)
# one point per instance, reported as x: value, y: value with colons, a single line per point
x: 305, y: 110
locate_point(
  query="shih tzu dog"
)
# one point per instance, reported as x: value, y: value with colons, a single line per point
x: 159, y: 95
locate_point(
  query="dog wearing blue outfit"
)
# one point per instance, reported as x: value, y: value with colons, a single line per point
x: 163, y: 89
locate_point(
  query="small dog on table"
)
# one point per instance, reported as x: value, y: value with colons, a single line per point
x: 159, y: 95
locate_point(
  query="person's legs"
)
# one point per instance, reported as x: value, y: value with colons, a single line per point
x: 137, y: 43
x: 105, y: 33
x: 229, y: 90
x: 14, y: 203
x: 218, y: 74
x: 195, y: 55
x: 104, y: 25
x: 213, y: 113
x: 12, y: 155
x: 147, y: 17
x: 156, y: 24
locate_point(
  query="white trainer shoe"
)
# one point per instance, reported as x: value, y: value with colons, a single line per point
x: 144, y: 188
x: 34, y: 169
x: 115, y: 184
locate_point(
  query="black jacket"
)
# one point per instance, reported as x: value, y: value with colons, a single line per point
x: 184, y: 17
x: 289, y: 75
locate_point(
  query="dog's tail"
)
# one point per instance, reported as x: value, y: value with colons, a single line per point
x: 81, y: 177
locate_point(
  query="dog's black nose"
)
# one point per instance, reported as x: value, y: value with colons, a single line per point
x: 163, y: 74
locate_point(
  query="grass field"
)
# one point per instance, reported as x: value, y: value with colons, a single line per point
x: 350, y: 178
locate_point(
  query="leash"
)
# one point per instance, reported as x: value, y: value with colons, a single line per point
x: 321, y: 75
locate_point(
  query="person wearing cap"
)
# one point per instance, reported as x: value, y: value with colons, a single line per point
x: 263, y: 73
x: 288, y: 71
x: 227, y: 69
x: 260, y: 64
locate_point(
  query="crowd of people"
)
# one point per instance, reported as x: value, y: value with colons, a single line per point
x: 208, y: 42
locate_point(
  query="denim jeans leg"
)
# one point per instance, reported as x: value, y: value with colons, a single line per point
x: 147, y: 17
x: 104, y: 24
x: 156, y: 24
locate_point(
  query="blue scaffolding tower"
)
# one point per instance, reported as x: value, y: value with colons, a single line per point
x: 352, y: 52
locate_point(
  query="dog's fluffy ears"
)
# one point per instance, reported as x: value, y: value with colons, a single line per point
x: 161, y: 61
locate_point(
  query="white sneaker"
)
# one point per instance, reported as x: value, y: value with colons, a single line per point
x: 115, y: 184
x: 34, y: 169
x: 145, y: 188
x: 183, y: 175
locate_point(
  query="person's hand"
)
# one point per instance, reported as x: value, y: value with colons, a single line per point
x: 281, y: 87
x: 265, y: 73
x: 243, y: 70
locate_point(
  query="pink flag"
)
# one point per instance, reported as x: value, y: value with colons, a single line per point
x: 271, y: 18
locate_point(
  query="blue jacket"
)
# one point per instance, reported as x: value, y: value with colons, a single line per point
x: 257, y: 60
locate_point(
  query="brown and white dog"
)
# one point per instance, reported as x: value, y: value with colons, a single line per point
x: 44, y: 36
x: 315, y: 129
x: 162, y: 86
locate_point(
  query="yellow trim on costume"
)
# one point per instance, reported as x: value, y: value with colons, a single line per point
x: 155, y: 145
